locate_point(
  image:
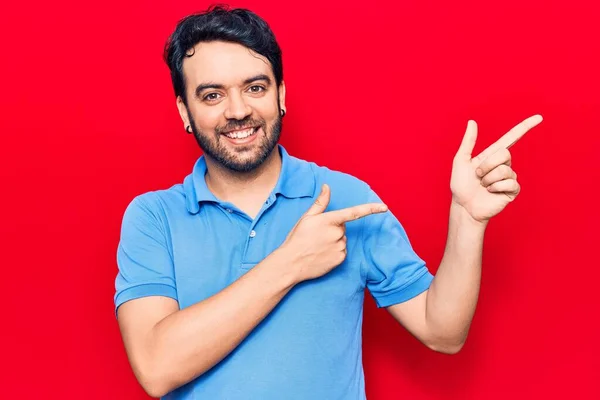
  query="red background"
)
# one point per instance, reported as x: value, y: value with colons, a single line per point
x: 381, y: 90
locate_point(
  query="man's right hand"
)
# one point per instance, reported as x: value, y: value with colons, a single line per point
x: 317, y: 243
x: 169, y: 347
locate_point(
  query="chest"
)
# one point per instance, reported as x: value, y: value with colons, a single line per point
x: 215, y: 247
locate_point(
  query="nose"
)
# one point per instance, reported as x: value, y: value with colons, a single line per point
x: 237, y: 107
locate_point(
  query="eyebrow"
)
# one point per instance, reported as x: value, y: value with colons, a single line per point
x: 210, y: 85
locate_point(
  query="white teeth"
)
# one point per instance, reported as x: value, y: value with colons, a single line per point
x: 240, y: 134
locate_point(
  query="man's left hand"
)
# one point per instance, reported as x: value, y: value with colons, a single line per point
x: 485, y: 184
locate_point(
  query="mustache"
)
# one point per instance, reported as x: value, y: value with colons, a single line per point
x: 239, y: 124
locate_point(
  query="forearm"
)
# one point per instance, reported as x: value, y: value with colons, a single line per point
x: 453, y: 294
x: 189, y: 342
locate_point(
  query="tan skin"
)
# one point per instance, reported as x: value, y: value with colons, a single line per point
x: 168, y: 347
x: 481, y: 186
x: 236, y: 100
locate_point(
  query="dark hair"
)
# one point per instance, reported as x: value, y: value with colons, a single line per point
x: 218, y: 22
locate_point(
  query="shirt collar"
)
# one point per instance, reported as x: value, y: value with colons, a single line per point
x: 296, y: 179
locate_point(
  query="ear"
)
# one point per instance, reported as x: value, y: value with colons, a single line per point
x: 282, y: 96
x: 182, y: 112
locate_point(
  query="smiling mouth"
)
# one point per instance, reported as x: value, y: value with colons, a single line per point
x: 242, y: 133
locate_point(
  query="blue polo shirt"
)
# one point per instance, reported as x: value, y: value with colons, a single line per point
x: 186, y: 244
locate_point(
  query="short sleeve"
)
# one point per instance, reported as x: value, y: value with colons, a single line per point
x: 144, y: 261
x: 394, y: 272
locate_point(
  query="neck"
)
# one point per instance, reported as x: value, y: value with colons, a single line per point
x: 231, y: 186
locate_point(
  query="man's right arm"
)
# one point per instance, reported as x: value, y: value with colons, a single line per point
x: 168, y: 347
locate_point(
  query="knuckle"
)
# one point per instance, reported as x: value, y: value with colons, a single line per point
x: 333, y: 235
x: 483, y: 165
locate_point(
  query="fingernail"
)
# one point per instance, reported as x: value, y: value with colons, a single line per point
x: 383, y: 208
x: 479, y: 171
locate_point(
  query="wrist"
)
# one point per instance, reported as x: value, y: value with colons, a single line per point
x: 461, y: 216
x: 287, y: 262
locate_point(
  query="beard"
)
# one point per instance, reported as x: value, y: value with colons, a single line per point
x: 215, y: 148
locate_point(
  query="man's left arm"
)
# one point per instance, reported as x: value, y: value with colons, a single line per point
x: 440, y: 317
x: 482, y: 186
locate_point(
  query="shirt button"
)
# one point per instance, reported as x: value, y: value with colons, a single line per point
x: 229, y: 210
x: 252, y: 234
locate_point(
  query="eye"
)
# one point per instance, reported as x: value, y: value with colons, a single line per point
x: 211, y: 97
x: 256, y: 89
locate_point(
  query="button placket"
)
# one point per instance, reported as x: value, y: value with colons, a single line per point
x: 252, y: 234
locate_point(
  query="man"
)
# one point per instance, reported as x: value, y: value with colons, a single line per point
x: 247, y: 280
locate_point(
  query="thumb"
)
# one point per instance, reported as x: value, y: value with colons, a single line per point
x: 468, y: 141
x: 321, y: 202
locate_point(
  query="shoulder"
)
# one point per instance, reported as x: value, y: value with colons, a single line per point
x: 156, y: 205
x: 346, y: 190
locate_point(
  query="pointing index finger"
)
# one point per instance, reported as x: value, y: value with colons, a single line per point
x: 344, y: 215
x: 512, y: 136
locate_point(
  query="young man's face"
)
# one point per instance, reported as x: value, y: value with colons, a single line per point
x: 233, y: 104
